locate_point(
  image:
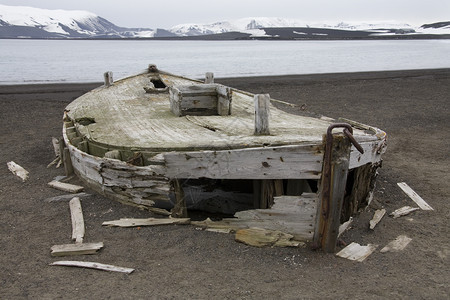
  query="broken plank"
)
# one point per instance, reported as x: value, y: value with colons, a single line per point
x: 403, y: 211
x: 377, y: 216
x: 66, y: 197
x: 66, y: 187
x: 92, y: 265
x: 355, y: 251
x: 260, y: 237
x: 76, y: 249
x: 414, y: 196
x: 18, y: 170
x: 77, y: 220
x: 397, y: 245
x: 125, y: 222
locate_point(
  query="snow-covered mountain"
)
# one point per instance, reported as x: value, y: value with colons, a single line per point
x: 22, y: 21
x: 29, y: 22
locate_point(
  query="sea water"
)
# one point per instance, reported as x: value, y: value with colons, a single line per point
x: 48, y: 61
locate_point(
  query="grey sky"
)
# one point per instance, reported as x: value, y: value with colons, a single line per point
x: 167, y: 13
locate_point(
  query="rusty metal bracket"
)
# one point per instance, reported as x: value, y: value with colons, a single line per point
x: 348, y: 131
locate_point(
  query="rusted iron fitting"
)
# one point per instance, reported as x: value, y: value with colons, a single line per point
x: 348, y: 131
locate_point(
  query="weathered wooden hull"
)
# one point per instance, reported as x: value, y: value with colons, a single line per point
x: 143, y: 169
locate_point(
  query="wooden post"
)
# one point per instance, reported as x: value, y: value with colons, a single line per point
x: 179, y: 210
x: 262, y: 113
x: 108, y: 76
x: 209, y: 77
x: 68, y: 168
x: 332, y: 191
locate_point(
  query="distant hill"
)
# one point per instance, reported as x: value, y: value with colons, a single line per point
x: 29, y: 22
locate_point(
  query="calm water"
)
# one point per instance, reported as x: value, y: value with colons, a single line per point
x: 37, y: 61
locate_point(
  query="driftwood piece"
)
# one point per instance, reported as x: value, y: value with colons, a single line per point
x: 76, y: 249
x: 260, y: 237
x: 92, y: 265
x: 377, y: 216
x: 414, y: 196
x: 18, y: 170
x: 355, y: 251
x: 124, y: 222
x: 397, y: 245
x: 403, y: 211
x: 66, y: 197
x: 262, y: 114
x: 76, y: 214
x: 66, y: 187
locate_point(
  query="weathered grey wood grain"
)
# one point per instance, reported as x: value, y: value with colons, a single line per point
x: 76, y: 249
x: 262, y: 114
x: 92, y: 265
x: 76, y: 214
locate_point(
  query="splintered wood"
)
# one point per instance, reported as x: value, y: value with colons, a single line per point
x: 18, y: 170
x: 403, y: 211
x: 355, y: 251
x: 398, y: 244
x: 378, y: 215
x: 294, y: 215
x: 259, y: 237
x: 414, y: 196
x: 92, y: 265
x: 124, y: 222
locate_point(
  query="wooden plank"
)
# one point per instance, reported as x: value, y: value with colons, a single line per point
x: 125, y: 222
x: 66, y: 187
x: 66, y: 197
x: 76, y: 249
x: 356, y: 252
x: 259, y: 237
x: 414, y: 196
x: 262, y: 114
x: 377, y: 216
x: 283, y: 162
x: 18, y: 170
x: 290, y: 214
x: 92, y: 265
x: 398, y: 244
x: 403, y: 211
x: 76, y: 215
x: 332, y: 191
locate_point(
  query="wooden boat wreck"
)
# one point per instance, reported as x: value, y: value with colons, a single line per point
x: 163, y: 142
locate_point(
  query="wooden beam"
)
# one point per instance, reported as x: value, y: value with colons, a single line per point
x: 92, y: 265
x: 66, y: 187
x: 76, y: 249
x: 76, y: 214
x: 108, y: 77
x: 209, y: 77
x: 332, y: 191
x: 146, y: 222
x: 262, y: 114
x: 414, y: 196
x: 68, y: 168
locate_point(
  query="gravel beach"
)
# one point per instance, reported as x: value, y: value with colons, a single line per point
x: 182, y: 262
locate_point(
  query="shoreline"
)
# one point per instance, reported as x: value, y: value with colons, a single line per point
x: 21, y: 88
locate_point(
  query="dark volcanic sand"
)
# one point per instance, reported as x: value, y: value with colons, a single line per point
x: 181, y: 262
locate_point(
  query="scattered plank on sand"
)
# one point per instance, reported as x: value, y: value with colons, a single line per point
x: 260, y: 237
x: 403, y: 211
x: 18, y: 170
x: 414, y: 196
x: 377, y: 216
x: 92, y: 265
x: 125, y: 222
x: 397, y: 245
x: 355, y: 251
x: 76, y: 249
x: 66, y: 197
x: 66, y: 187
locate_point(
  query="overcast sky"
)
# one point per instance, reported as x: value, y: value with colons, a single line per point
x: 167, y: 13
